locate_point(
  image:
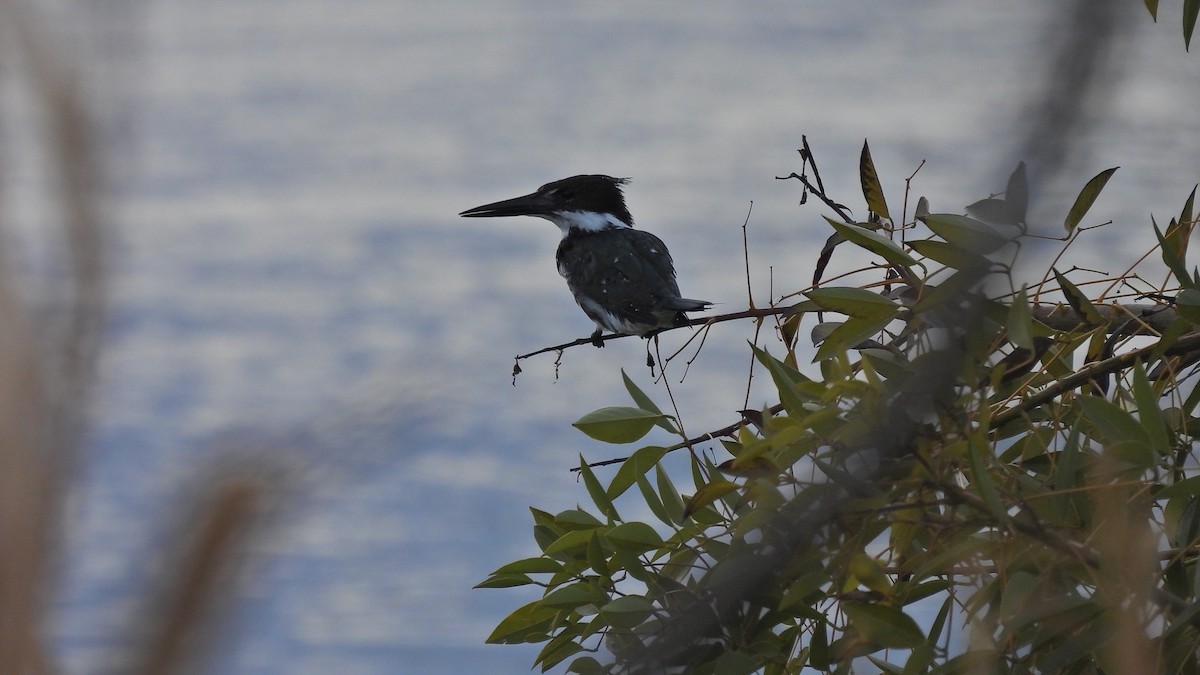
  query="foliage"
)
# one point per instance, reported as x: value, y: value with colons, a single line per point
x: 1044, y: 503
x: 1191, y: 10
x: 983, y: 476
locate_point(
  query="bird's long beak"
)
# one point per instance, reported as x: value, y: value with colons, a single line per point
x: 532, y: 204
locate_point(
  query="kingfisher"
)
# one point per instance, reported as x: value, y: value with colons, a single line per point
x: 622, y: 278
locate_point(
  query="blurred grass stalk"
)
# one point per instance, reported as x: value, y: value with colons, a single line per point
x: 45, y: 380
x: 43, y: 384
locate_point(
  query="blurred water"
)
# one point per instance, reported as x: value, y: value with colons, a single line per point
x: 289, y: 277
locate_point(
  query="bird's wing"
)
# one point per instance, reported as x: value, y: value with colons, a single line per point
x: 648, y: 255
x: 630, y: 272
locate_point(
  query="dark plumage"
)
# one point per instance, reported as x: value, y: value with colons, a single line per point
x: 624, y: 279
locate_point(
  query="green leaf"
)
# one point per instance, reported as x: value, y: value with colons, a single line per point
x: 1113, y: 423
x: 529, y: 623
x: 825, y: 256
x: 545, y: 535
x: 672, y: 502
x: 883, y: 625
x: 571, y: 544
x: 703, y: 470
x: 559, y: 648
x: 1191, y: 8
x: 707, y: 495
x: 889, y: 365
x: 652, y: 500
x: 1078, y: 301
x: 981, y: 478
x: 939, y: 622
x: 920, y: 659
x: 926, y: 589
x: 936, y: 297
x: 618, y: 424
x: 1188, y: 487
x: 1193, y: 400
x: 504, y: 581
x: 1015, y: 593
x: 1020, y: 321
x: 636, y: 537
x: 1187, y: 521
x: 803, y: 587
x: 872, y: 191
x: 884, y: 666
x: 629, y: 562
x: 1173, y: 251
x: 849, y: 335
x: 1185, y: 216
x: 636, y: 465
x: 576, y: 519
x: 868, y: 572
x: 573, y: 596
x: 1087, y: 197
x: 627, y: 612
x: 1016, y: 193
x: 854, y: 302
x: 1125, y: 438
x: 995, y: 211
x: 1149, y: 412
x: 819, y: 654
x: 530, y: 566
x: 1152, y: 6
x: 948, y: 254
x: 734, y: 663
x: 1069, y: 463
x: 596, y: 491
x: 887, y: 249
x: 1135, y: 453
x: 966, y: 233
x: 597, y: 558
x: 1188, y: 304
x: 628, y: 603
x: 542, y: 517
x: 643, y: 401
x: 586, y: 665
x: 1011, y: 209
x: 785, y: 378
x: 1079, y: 647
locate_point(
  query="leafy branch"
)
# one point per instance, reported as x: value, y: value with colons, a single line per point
x: 974, y: 453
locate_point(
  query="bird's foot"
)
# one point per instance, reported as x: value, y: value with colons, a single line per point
x: 596, y: 339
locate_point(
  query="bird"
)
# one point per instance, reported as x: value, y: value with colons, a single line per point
x: 622, y: 278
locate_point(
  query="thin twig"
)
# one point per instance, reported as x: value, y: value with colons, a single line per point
x: 1184, y: 344
x: 1032, y: 527
x: 1081, y: 377
x: 699, y: 321
x: 746, y: 256
x: 713, y: 435
x: 1156, y: 317
x: 842, y: 211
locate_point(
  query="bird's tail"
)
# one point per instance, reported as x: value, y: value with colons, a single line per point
x: 686, y: 305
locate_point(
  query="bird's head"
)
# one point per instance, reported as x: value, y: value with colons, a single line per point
x: 587, y: 203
